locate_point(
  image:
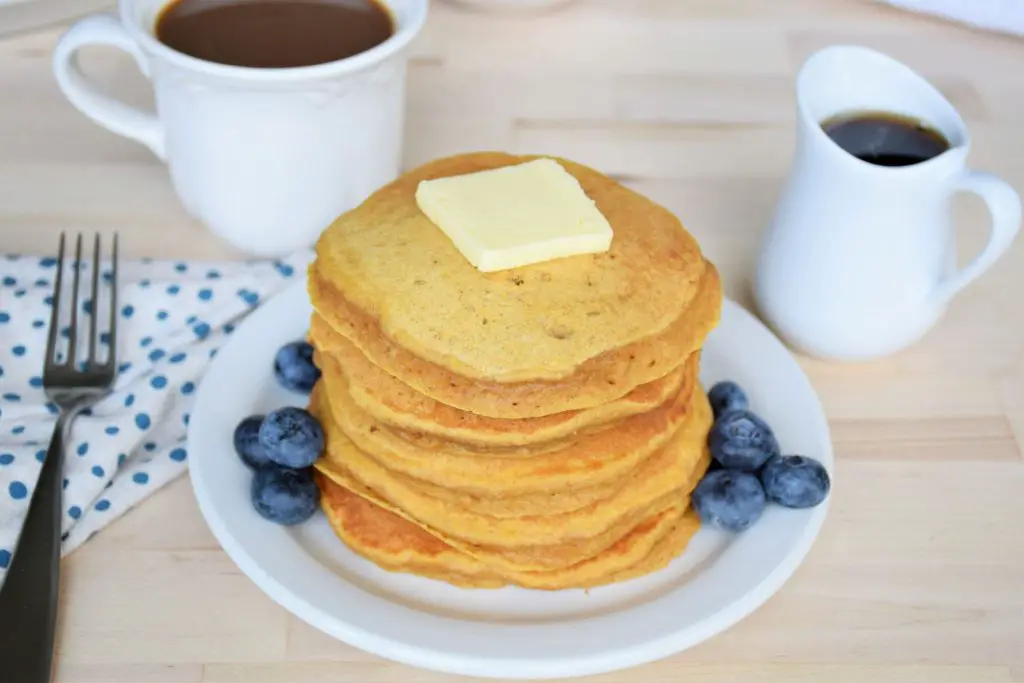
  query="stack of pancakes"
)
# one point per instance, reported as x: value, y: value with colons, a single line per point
x: 540, y: 426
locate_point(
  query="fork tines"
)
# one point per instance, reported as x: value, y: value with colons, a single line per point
x: 55, y: 364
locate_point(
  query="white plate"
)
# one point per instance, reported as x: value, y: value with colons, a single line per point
x: 510, y: 632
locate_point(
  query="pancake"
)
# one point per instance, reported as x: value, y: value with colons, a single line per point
x: 539, y: 541
x: 521, y: 504
x: 671, y: 547
x: 567, y: 334
x: 434, y: 302
x: 544, y: 557
x: 399, y: 545
x: 589, y: 460
x: 396, y: 404
x: 541, y: 426
x: 597, y: 381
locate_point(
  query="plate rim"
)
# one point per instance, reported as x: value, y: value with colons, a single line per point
x: 608, y: 659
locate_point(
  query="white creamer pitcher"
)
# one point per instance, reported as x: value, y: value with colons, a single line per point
x: 859, y: 260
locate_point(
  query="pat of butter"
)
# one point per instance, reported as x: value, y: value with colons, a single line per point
x: 515, y: 215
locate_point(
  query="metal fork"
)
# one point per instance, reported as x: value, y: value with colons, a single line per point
x: 28, y: 598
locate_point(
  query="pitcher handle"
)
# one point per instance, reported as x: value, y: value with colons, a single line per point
x: 117, y: 117
x: 1005, y: 208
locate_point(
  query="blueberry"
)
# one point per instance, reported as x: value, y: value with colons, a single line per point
x: 740, y: 440
x: 728, y: 499
x: 794, y: 481
x: 294, y: 368
x: 285, y: 496
x: 726, y: 396
x: 247, y: 442
x: 291, y: 437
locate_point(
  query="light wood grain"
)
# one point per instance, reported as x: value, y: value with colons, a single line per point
x: 918, y: 576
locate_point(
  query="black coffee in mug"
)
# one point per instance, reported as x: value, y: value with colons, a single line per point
x: 885, y: 139
x: 273, y: 33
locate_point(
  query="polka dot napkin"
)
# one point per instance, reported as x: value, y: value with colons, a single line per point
x: 173, y: 317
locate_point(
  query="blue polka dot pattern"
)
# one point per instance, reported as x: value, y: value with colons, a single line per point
x: 173, y: 317
x: 249, y: 297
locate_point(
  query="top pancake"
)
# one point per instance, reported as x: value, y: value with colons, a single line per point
x: 387, y: 261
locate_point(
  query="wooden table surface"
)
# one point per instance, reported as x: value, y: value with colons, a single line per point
x: 918, y: 574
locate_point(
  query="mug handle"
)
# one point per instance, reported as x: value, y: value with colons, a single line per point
x: 1005, y: 208
x: 115, y: 116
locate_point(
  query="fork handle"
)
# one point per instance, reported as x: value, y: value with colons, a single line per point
x: 28, y: 597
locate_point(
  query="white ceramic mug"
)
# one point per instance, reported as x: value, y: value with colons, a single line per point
x: 266, y: 158
x: 860, y: 260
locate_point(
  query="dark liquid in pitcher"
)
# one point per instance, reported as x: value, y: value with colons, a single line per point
x: 885, y: 139
x: 273, y: 33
